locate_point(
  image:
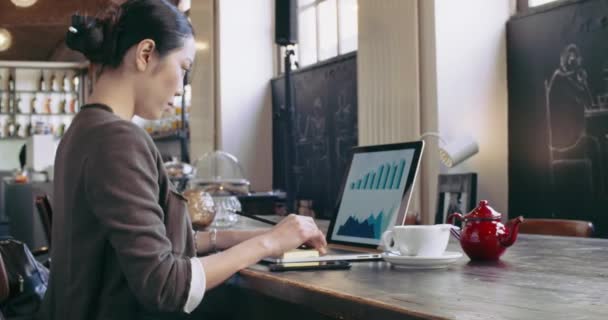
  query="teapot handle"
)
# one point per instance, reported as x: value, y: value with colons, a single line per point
x: 455, y: 231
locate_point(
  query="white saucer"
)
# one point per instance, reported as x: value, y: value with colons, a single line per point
x: 415, y: 262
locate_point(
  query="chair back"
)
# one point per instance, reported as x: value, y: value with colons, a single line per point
x: 4, y: 286
x: 43, y: 204
x: 557, y: 227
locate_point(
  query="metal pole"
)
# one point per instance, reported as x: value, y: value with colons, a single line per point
x: 289, y: 145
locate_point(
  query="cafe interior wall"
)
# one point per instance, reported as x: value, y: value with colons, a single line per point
x: 245, y: 65
x: 447, y: 73
x: 472, y: 88
x: 470, y: 79
x: 462, y: 72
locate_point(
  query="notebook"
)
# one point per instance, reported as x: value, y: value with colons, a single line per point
x: 374, y: 197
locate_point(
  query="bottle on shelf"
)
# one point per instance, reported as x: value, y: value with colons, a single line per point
x: 11, y: 104
x: 72, y: 104
x: 41, y: 82
x: 11, y: 82
x: 11, y: 128
x: 4, y: 102
x: 33, y: 104
x: 63, y: 104
x: 67, y: 87
x: 3, y: 132
x: 47, y: 106
x: 23, y: 130
x: 30, y: 129
x: 18, y: 104
x: 75, y: 82
x: 54, y: 83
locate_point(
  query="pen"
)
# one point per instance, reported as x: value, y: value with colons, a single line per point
x: 250, y: 216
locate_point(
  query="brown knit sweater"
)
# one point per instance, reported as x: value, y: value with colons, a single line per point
x: 122, y: 239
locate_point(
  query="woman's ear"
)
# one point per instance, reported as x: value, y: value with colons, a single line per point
x: 143, y: 54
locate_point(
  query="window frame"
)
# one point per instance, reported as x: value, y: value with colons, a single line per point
x: 315, y: 4
x: 524, y: 5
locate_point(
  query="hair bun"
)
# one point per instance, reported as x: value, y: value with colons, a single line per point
x: 86, y: 35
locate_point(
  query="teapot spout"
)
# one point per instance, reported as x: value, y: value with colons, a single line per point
x: 512, y: 228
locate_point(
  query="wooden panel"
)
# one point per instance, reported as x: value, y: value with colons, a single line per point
x: 33, y: 43
x: 39, y: 31
x: 46, y: 13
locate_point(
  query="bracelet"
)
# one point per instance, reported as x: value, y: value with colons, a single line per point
x: 213, y: 238
x: 195, y: 235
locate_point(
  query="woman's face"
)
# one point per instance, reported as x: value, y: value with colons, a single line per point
x: 163, y: 80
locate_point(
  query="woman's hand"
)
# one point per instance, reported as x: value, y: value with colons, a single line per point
x: 294, y: 231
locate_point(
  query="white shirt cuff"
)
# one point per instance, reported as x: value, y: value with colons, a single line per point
x: 197, y: 285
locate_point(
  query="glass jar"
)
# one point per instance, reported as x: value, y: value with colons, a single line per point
x: 220, y: 174
x: 200, y: 208
x: 226, y: 208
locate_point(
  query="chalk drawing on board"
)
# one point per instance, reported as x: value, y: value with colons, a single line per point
x: 569, y: 104
x: 346, y: 137
x: 312, y: 129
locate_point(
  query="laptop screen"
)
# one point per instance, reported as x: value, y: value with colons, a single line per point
x: 376, y: 193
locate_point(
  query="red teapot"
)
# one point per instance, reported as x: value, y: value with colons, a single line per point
x: 483, y: 236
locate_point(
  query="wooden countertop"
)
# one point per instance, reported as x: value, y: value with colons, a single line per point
x: 540, y: 277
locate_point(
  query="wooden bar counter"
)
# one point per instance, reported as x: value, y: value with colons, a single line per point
x: 539, y: 277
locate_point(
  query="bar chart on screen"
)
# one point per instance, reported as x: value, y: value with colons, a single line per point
x: 387, y: 176
x: 372, y: 195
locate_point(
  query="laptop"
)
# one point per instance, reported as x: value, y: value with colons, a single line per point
x: 374, y: 197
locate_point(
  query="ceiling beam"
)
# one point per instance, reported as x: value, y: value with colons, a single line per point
x: 46, y: 13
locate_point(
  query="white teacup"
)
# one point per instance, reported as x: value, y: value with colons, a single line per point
x: 422, y: 241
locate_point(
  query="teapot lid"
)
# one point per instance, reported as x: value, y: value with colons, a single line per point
x: 483, y: 211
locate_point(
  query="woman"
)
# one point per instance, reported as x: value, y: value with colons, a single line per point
x: 123, y: 246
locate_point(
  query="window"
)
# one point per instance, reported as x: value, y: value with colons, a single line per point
x: 524, y: 5
x: 534, y: 3
x: 326, y: 29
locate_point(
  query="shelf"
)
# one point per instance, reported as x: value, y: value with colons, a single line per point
x: 38, y: 91
x: 23, y: 138
x: 44, y: 114
x: 12, y: 138
x: 76, y: 66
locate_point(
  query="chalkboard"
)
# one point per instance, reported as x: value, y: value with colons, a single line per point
x: 558, y: 113
x: 323, y: 131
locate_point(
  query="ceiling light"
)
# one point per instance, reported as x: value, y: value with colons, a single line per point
x: 184, y: 5
x: 24, y: 3
x: 201, y: 45
x: 5, y: 39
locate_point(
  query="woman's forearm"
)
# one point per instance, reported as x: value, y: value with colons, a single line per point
x: 225, y: 239
x: 288, y: 234
x: 220, y: 266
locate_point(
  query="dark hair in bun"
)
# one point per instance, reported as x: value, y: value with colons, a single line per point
x: 106, y: 39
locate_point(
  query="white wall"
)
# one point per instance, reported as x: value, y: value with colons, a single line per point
x: 472, y: 87
x: 246, y: 37
x: 396, y: 102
